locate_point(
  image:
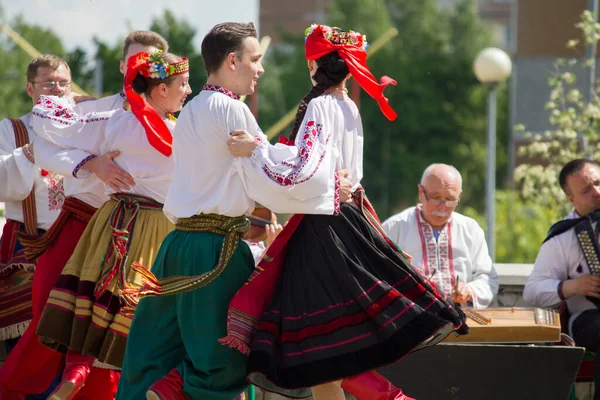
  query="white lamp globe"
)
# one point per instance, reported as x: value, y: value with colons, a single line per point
x: 492, y: 65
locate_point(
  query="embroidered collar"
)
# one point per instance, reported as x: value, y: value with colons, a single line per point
x: 437, y: 253
x: 220, y: 89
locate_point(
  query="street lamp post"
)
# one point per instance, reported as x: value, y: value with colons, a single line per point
x: 492, y: 66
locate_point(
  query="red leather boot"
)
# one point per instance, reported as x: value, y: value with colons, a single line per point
x: 77, y: 369
x: 6, y: 394
x: 372, y: 386
x: 169, y: 387
x: 101, y: 384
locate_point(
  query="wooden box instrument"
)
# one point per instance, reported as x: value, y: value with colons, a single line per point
x: 510, y: 325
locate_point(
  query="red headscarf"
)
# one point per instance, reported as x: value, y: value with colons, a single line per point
x: 317, y: 46
x: 159, y: 136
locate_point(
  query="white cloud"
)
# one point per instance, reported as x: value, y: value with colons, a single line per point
x: 76, y: 22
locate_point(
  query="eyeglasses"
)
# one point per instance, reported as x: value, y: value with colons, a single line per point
x: 439, y: 200
x: 52, y: 84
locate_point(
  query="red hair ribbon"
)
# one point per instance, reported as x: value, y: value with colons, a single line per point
x: 317, y: 46
x: 158, y: 134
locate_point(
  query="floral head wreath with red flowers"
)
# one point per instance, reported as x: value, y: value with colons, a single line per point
x: 336, y: 36
x: 351, y: 47
x: 151, y: 66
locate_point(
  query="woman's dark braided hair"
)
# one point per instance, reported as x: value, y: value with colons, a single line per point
x: 331, y: 71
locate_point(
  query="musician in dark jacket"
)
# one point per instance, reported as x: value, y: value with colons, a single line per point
x: 567, y: 267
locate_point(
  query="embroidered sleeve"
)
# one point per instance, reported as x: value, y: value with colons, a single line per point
x: 336, y: 195
x: 311, y: 142
x: 55, y: 119
x: 284, y: 178
x: 28, y: 154
x: 54, y: 158
x: 77, y: 168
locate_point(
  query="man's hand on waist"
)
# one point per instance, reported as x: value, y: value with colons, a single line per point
x: 109, y: 172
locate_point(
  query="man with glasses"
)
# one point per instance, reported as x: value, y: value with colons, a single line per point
x: 446, y: 246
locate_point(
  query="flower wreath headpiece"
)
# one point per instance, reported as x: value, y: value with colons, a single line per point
x: 151, y: 66
x: 158, y: 69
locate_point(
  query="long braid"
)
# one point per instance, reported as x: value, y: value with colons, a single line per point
x: 331, y: 71
x: 316, y: 91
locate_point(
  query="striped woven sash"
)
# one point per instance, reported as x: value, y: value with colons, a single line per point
x: 35, y: 246
x: 29, y: 210
x: 122, y: 222
x: 232, y: 228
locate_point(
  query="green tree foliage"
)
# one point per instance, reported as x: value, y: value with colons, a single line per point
x: 575, y: 120
x: 441, y: 105
x: 521, y: 226
x: 180, y: 36
x: 178, y: 33
x: 110, y: 56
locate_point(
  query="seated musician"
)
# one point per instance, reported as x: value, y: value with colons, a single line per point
x: 447, y: 246
x: 567, y: 267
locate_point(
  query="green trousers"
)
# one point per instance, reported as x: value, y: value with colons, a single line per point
x: 182, y: 330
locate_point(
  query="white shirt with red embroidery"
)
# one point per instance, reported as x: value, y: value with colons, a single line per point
x: 85, y: 187
x: 18, y: 175
x: 208, y: 179
x: 57, y: 121
x: 459, y: 251
x: 330, y: 138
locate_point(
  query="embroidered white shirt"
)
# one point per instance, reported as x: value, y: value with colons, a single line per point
x: 559, y: 259
x: 208, y: 179
x: 460, y: 251
x: 56, y: 120
x: 85, y: 187
x: 18, y: 176
x: 330, y: 138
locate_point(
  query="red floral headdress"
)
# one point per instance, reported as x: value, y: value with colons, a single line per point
x: 322, y: 40
x: 151, y: 66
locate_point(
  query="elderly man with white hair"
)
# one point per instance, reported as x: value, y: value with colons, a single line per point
x: 447, y: 246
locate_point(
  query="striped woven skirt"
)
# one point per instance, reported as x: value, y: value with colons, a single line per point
x: 85, y: 312
x: 16, y: 279
x: 346, y: 302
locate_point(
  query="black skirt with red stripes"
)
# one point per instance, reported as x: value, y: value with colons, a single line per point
x: 347, y: 302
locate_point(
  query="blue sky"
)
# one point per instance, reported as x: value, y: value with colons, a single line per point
x: 77, y: 21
